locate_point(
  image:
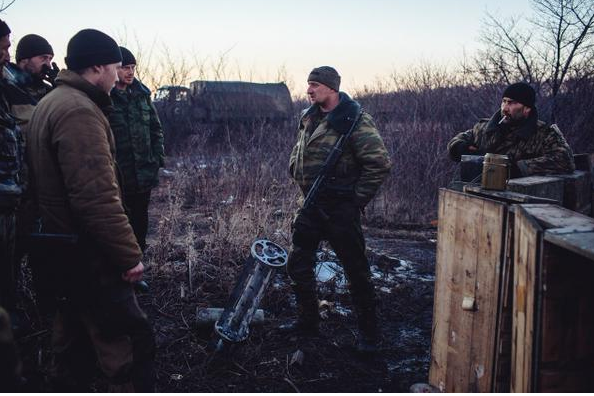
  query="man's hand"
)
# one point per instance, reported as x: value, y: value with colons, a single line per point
x: 51, y: 72
x: 134, y: 274
x: 472, y: 149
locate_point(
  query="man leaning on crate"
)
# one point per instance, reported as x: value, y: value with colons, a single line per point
x: 533, y: 147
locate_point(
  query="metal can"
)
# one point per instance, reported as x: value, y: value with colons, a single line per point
x: 495, y: 171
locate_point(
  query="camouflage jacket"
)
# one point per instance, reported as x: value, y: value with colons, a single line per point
x: 361, y: 169
x: 24, y: 91
x: 11, y: 154
x: 138, y: 136
x: 535, y: 147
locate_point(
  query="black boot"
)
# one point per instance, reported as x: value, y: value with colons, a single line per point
x: 308, y: 320
x: 368, y: 339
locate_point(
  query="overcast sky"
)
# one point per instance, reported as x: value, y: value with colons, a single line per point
x: 364, y: 40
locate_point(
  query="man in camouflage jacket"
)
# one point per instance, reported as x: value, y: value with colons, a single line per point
x: 28, y: 81
x: 355, y: 180
x: 31, y: 77
x: 139, y: 144
x: 11, y: 159
x: 533, y: 147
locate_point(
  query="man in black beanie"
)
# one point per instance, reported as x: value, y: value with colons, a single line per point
x: 29, y: 80
x: 71, y: 157
x: 139, y: 143
x: 31, y: 77
x: 533, y: 147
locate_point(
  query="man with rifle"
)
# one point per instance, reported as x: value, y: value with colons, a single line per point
x: 339, y: 162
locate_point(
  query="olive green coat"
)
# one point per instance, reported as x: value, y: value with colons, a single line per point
x: 138, y: 136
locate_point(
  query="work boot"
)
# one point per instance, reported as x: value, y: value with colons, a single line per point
x: 308, y: 319
x: 367, y: 341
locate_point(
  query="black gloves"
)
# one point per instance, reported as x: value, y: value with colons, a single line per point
x: 51, y: 73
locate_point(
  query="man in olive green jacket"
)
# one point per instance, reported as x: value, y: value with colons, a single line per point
x: 97, y: 259
x: 361, y: 169
x: 139, y: 143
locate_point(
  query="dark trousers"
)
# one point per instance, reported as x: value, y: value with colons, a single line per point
x: 343, y: 231
x: 115, y: 333
x: 137, y: 209
x: 8, y: 269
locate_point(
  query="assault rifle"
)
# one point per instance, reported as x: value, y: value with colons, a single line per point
x: 329, y: 164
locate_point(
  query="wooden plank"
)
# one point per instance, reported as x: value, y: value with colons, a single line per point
x: 552, y: 216
x: 503, y: 340
x: 527, y: 240
x: 462, y: 284
x: 468, y: 260
x: 490, y: 256
x: 507, y: 196
x: 441, y: 305
x: 539, y: 186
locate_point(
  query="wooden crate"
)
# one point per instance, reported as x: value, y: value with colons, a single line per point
x: 553, y: 324
x: 551, y: 187
x: 577, y: 191
x: 469, y: 255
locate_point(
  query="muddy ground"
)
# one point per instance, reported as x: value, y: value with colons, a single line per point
x: 403, y: 272
x: 402, y: 262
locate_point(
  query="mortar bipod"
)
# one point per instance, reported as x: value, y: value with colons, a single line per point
x: 266, y: 256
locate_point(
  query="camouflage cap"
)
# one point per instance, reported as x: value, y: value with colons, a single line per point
x: 325, y: 75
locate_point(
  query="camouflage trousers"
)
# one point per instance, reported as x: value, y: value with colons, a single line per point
x: 8, y: 270
x: 114, y: 332
x: 343, y: 231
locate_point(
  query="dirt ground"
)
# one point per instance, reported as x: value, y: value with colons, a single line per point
x: 402, y: 262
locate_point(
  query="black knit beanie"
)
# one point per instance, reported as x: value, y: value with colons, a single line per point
x: 325, y: 75
x: 90, y: 47
x: 127, y: 57
x: 32, y: 45
x: 4, y: 29
x: 521, y: 92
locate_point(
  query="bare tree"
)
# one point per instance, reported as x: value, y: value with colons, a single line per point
x: 554, y: 45
x: 5, y: 4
